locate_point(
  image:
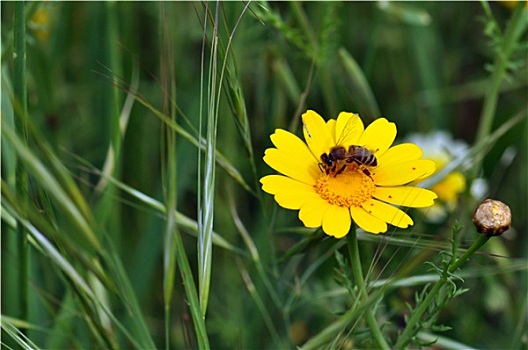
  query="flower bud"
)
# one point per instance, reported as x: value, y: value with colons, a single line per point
x: 492, y: 217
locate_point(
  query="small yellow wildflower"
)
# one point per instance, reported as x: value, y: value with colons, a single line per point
x: 363, y: 187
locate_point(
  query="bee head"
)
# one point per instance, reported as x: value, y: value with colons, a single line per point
x: 327, y: 160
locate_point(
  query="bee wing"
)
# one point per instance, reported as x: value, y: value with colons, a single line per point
x: 348, y: 129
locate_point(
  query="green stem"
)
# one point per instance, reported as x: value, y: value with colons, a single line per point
x: 407, y: 334
x: 355, y: 262
x: 470, y: 251
x: 512, y: 34
x: 410, y: 328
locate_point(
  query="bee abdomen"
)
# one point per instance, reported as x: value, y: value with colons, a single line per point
x: 362, y: 156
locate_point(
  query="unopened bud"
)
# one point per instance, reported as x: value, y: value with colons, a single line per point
x: 492, y: 217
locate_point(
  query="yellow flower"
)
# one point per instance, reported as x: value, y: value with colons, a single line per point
x: 356, y: 188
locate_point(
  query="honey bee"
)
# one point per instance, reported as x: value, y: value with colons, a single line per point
x: 339, y: 158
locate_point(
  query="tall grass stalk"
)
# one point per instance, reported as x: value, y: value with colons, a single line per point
x: 206, y: 206
x: 207, y: 185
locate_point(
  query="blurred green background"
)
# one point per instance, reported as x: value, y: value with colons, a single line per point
x: 427, y: 66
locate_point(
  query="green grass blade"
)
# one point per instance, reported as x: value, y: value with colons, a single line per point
x: 206, y: 204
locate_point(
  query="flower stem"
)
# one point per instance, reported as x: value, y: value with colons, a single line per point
x: 410, y: 328
x: 355, y: 263
x: 470, y: 251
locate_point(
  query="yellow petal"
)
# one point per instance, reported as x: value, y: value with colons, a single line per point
x: 366, y: 221
x: 378, y: 136
x: 407, y: 196
x: 399, y: 153
x: 295, y: 201
x: 312, y: 212
x: 349, y: 128
x: 331, y: 125
x: 401, y: 173
x: 387, y: 213
x: 304, y: 170
x: 274, y: 184
x: 430, y: 171
x: 291, y: 145
x: 316, y: 134
x: 336, y: 221
x: 289, y: 193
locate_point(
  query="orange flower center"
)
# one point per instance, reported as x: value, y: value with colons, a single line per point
x: 350, y: 188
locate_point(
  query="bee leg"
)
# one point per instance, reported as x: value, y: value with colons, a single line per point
x: 366, y: 172
x: 340, y: 170
x: 322, y: 168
